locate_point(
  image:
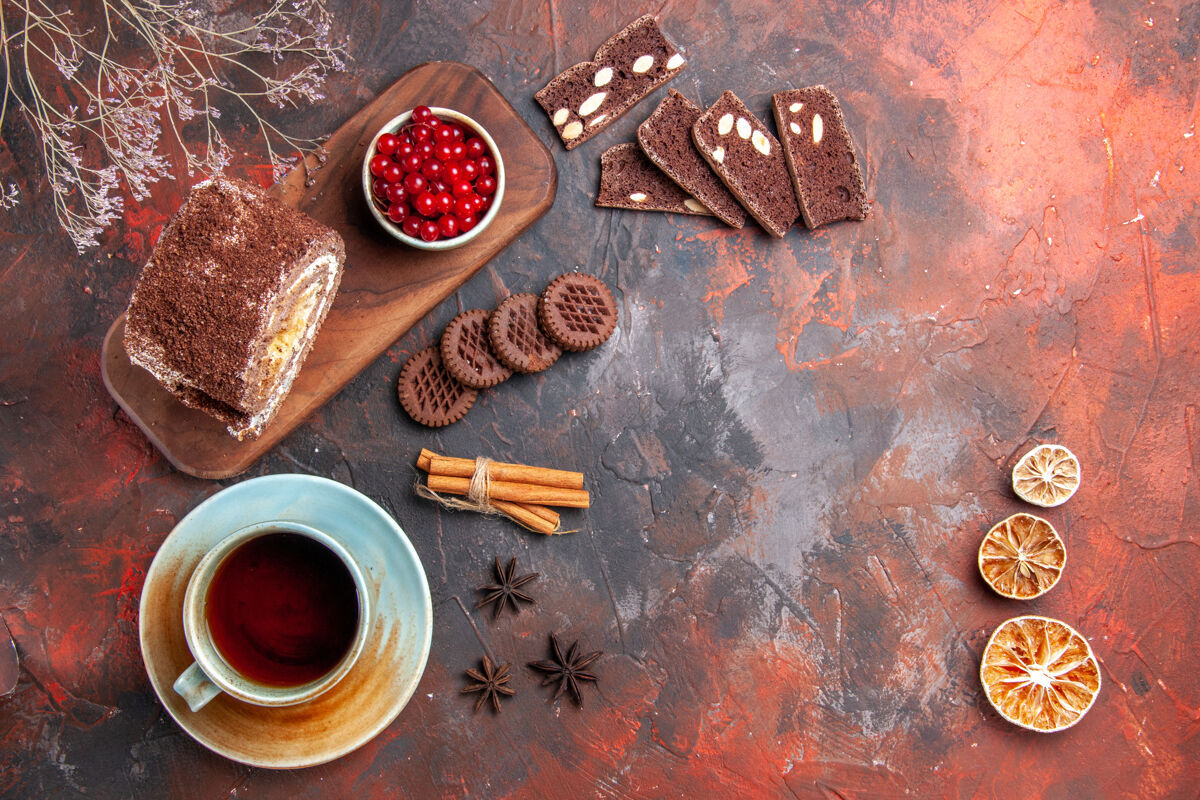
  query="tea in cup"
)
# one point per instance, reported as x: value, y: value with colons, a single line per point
x: 275, y: 614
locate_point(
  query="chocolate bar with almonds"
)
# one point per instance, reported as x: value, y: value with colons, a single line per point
x: 589, y: 97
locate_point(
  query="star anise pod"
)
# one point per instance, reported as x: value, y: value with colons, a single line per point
x: 568, y: 671
x: 491, y: 683
x: 506, y: 590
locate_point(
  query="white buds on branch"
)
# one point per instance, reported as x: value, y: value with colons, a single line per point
x: 121, y: 104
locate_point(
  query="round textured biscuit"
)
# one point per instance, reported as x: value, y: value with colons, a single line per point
x: 577, y: 311
x: 429, y: 393
x: 516, y: 338
x: 467, y: 353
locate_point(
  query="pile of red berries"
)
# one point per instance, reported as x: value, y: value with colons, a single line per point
x: 433, y: 177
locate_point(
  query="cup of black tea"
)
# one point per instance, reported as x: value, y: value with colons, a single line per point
x: 275, y: 614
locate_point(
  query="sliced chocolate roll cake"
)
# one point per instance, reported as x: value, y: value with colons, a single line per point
x: 666, y: 139
x: 227, y: 307
x: 749, y: 160
x: 629, y: 180
x: 820, y: 156
x: 588, y: 97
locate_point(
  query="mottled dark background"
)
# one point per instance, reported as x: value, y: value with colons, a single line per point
x: 793, y: 446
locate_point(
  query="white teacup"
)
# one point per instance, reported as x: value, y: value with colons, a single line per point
x: 211, y: 673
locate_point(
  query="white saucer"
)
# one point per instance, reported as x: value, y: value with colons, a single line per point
x: 364, y: 702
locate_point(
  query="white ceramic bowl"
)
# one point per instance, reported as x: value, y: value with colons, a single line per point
x: 393, y: 126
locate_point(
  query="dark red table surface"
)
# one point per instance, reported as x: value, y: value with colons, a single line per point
x: 793, y: 446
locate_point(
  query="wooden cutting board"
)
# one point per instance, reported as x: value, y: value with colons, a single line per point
x: 387, y: 287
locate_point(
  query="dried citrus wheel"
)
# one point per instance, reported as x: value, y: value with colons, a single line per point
x: 1022, y: 557
x: 1046, y: 476
x: 1039, y: 673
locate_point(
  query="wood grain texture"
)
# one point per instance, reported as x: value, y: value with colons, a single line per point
x: 387, y: 287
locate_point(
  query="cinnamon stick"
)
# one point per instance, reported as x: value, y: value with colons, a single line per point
x: 534, y: 517
x: 500, y: 471
x: 548, y: 514
x: 513, y: 492
x: 526, y: 516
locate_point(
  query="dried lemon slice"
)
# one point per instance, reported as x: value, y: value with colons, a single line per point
x: 1039, y: 673
x: 1022, y: 557
x: 1046, y: 476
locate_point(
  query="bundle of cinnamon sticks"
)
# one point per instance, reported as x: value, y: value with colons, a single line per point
x: 519, y: 492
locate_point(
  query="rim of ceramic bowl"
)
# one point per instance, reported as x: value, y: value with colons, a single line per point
x: 395, y: 124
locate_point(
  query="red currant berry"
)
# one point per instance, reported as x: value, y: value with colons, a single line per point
x: 398, y: 213
x: 438, y: 186
x: 462, y: 188
x: 396, y: 193
x: 421, y: 133
x: 430, y: 231
x: 411, y: 226
x: 448, y: 226
x: 458, y: 151
x: 414, y: 183
x: 479, y: 203
x: 444, y: 133
x: 392, y: 173
x: 432, y: 169
x: 445, y: 202
x: 378, y: 164
x: 425, y: 204
x: 466, y: 222
x: 404, y: 149
x: 486, y: 165
x: 485, y: 203
x: 444, y: 151
x: 457, y: 132
x: 469, y: 171
x: 425, y: 150
x: 463, y: 207
x: 379, y: 188
x: 422, y: 114
x: 486, y: 184
x: 411, y: 163
x: 475, y: 147
x: 454, y: 172
x: 387, y: 144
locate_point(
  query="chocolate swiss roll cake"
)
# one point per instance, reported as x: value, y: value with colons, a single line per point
x: 226, y: 309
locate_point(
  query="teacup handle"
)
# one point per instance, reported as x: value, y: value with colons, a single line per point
x: 195, y: 687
